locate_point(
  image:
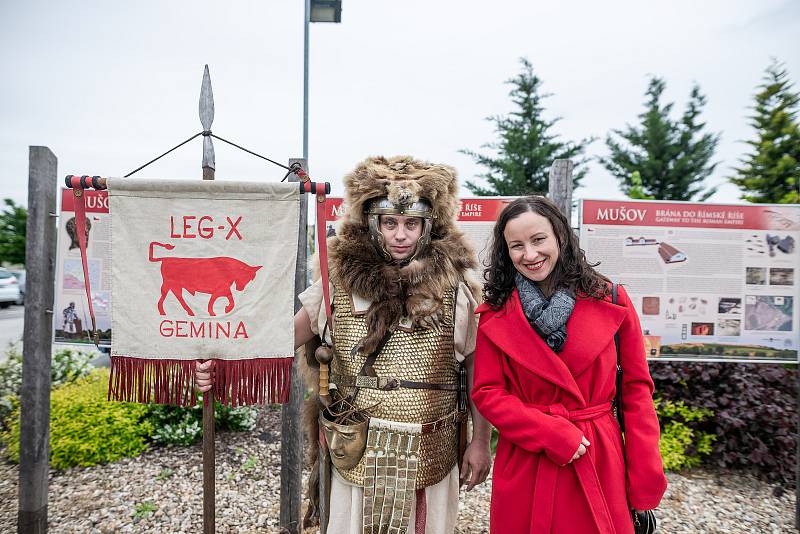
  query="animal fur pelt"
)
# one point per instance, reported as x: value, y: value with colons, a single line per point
x: 311, y: 427
x: 396, y: 290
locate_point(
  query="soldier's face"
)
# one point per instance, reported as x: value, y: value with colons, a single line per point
x: 400, y: 233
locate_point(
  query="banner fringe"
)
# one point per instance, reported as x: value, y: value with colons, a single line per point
x: 236, y: 382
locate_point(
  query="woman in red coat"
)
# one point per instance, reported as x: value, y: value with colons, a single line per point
x: 545, y: 370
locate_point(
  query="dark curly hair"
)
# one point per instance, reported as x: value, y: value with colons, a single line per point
x: 571, y: 271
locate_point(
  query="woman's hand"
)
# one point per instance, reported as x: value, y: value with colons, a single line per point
x: 581, y: 449
x: 204, y: 375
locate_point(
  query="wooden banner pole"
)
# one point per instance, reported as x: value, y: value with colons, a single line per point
x: 292, y: 412
x: 209, y: 467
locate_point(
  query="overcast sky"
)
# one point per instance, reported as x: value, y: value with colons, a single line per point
x: 109, y: 85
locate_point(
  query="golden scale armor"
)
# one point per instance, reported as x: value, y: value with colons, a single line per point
x: 421, y: 355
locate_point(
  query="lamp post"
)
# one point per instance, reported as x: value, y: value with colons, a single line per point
x: 316, y: 11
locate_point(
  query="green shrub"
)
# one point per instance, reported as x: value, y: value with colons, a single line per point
x: 67, y: 365
x: 681, y: 445
x: 10, y: 383
x: 86, y: 429
x: 176, y: 425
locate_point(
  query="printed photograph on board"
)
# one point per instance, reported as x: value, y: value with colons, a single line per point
x: 770, y: 313
x: 781, y: 276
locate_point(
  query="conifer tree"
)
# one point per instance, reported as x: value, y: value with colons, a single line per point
x: 771, y: 172
x: 673, y: 157
x: 13, y: 221
x: 526, y: 146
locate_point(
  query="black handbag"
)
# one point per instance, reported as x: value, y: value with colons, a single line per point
x: 644, y: 522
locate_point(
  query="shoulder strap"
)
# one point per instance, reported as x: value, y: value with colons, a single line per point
x: 367, y: 369
x: 618, y: 397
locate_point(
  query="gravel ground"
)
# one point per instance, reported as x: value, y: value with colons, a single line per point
x: 161, y: 492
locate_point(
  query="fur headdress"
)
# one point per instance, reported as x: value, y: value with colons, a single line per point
x: 403, y: 180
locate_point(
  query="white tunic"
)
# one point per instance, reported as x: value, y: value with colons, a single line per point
x: 441, y: 498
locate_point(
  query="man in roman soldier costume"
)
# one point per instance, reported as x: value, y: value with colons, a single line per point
x: 399, y: 346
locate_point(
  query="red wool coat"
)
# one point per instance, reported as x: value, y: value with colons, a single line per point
x: 542, y: 402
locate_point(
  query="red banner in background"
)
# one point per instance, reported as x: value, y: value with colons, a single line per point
x: 481, y: 209
x: 689, y: 214
x: 96, y: 201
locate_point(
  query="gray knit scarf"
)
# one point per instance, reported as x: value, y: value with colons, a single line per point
x: 547, y: 317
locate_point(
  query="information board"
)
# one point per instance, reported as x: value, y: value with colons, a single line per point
x: 71, y: 322
x: 713, y: 282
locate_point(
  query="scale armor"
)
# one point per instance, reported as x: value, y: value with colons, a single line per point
x: 421, y: 355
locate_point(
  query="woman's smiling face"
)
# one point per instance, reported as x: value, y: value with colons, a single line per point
x: 532, y: 246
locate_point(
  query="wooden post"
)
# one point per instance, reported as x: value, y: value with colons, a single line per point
x: 209, y: 460
x: 560, y: 186
x: 292, y: 412
x: 40, y: 254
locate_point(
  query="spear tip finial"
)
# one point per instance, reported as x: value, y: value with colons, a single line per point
x: 206, y: 118
x: 206, y: 101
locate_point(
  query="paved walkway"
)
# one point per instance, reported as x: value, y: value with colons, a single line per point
x: 11, y: 320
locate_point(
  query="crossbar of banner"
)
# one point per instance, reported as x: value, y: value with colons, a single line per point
x: 100, y: 183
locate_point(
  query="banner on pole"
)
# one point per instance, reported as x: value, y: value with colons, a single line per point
x: 202, y: 270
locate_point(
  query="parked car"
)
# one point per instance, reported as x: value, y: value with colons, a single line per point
x: 20, y: 276
x: 9, y: 288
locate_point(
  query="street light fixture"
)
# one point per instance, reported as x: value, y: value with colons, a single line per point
x: 316, y: 11
x: 326, y: 10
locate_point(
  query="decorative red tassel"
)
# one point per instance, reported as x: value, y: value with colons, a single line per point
x: 237, y: 382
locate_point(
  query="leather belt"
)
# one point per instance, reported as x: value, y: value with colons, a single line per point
x: 453, y: 418
x: 387, y: 383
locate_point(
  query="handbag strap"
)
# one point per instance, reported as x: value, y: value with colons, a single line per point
x: 647, y: 515
x: 618, y: 396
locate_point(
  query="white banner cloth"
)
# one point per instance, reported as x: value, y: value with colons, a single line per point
x: 203, y: 270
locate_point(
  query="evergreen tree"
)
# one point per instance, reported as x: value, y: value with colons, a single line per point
x: 526, y: 147
x: 13, y: 221
x: 673, y: 157
x: 771, y: 172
